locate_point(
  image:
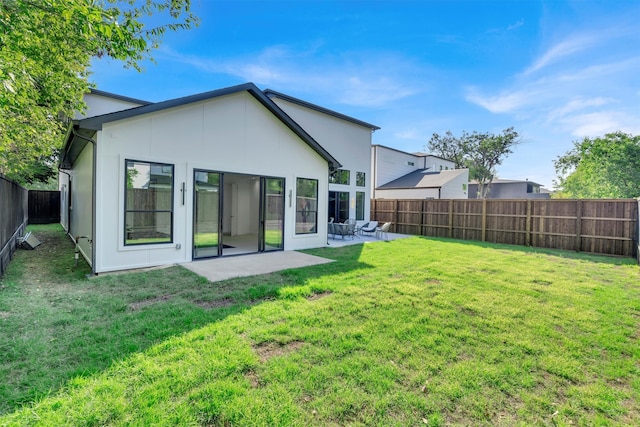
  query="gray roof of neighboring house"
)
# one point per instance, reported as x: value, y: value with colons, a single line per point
x: 87, y: 126
x: 422, y: 178
x: 273, y: 93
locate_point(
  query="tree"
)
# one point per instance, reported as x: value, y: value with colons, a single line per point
x: 480, y: 152
x: 45, y: 51
x: 603, y: 167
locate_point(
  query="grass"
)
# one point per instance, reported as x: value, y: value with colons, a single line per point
x: 410, y: 332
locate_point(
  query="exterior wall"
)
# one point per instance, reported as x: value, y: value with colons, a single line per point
x: 77, y: 220
x: 388, y: 164
x: 234, y: 133
x: 457, y: 188
x: 98, y: 105
x: 409, y: 193
x: 507, y: 190
x: 348, y: 142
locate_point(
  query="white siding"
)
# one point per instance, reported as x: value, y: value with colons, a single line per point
x: 235, y: 134
x: 98, y: 105
x: 457, y: 188
x: 392, y: 164
x: 81, y: 201
x: 348, y: 142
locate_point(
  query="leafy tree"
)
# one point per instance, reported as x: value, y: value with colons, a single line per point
x: 45, y: 51
x: 480, y: 152
x: 603, y: 167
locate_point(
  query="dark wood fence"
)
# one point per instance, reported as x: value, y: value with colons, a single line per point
x: 44, y: 207
x: 598, y: 226
x: 13, y: 218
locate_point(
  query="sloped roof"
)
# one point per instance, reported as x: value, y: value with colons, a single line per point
x: 422, y: 178
x: 95, y: 123
x: 272, y: 93
x: 118, y: 97
x: 507, y: 181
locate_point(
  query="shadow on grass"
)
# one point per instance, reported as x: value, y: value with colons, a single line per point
x: 56, y: 325
x: 584, y: 256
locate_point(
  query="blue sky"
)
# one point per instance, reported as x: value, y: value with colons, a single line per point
x: 557, y: 71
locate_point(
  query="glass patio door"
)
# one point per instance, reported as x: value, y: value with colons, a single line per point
x: 207, y: 227
x: 271, y: 214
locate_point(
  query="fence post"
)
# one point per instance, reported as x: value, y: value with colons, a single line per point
x: 395, y: 216
x: 528, y: 224
x: 424, y: 209
x: 484, y: 220
x: 578, y: 225
x: 451, y: 218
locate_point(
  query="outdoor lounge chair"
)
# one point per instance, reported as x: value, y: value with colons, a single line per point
x: 369, y: 227
x: 384, y: 230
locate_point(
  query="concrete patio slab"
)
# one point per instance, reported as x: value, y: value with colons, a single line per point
x: 217, y: 269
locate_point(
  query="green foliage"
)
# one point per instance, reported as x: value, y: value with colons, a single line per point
x: 480, y: 152
x: 606, y: 167
x: 45, y: 52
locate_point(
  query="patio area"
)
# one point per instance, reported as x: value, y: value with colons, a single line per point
x: 338, y: 240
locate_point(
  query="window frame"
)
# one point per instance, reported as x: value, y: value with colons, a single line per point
x: 171, y: 210
x: 314, y: 229
x: 360, y: 209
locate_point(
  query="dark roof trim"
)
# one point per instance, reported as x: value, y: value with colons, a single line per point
x: 408, y: 188
x: 272, y: 93
x: 118, y: 97
x: 95, y: 123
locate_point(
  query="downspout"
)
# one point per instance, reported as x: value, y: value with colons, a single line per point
x: 375, y: 169
x: 93, y: 199
x: 68, y: 202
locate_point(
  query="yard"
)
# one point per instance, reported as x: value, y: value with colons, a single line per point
x: 410, y: 332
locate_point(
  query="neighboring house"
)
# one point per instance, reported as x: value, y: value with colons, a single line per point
x: 226, y: 172
x: 401, y: 175
x: 511, y: 189
x: 423, y: 184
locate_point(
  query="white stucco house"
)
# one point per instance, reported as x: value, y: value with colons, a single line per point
x: 232, y: 171
x: 401, y: 175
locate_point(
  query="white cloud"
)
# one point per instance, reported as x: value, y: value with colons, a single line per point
x: 561, y: 50
x: 515, y: 25
x: 358, y: 78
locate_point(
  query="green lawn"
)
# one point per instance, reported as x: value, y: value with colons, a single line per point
x: 410, y: 332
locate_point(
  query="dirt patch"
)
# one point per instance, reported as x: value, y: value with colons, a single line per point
x: 148, y: 302
x: 253, y: 378
x: 319, y: 295
x: 219, y: 303
x: 267, y: 350
x: 432, y: 281
x: 4, y: 314
x: 542, y: 282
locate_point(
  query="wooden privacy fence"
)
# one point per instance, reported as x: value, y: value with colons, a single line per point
x: 598, y: 226
x: 13, y: 218
x: 44, y: 207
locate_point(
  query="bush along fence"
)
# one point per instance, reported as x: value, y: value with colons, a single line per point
x: 13, y: 218
x: 607, y: 227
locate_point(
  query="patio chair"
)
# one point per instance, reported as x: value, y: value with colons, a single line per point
x: 331, y: 229
x: 384, y: 230
x: 351, y: 229
x: 369, y: 227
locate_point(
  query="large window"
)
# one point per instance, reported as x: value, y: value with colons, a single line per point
x: 360, y: 205
x: 360, y: 179
x: 148, y: 203
x: 340, y: 176
x: 306, y: 206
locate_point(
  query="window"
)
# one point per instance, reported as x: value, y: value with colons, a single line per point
x: 360, y: 205
x: 148, y: 203
x: 410, y: 163
x: 306, y: 206
x: 361, y: 179
x: 340, y: 176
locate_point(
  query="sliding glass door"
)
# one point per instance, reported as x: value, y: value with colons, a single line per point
x: 237, y: 214
x: 207, y: 226
x: 271, y: 214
